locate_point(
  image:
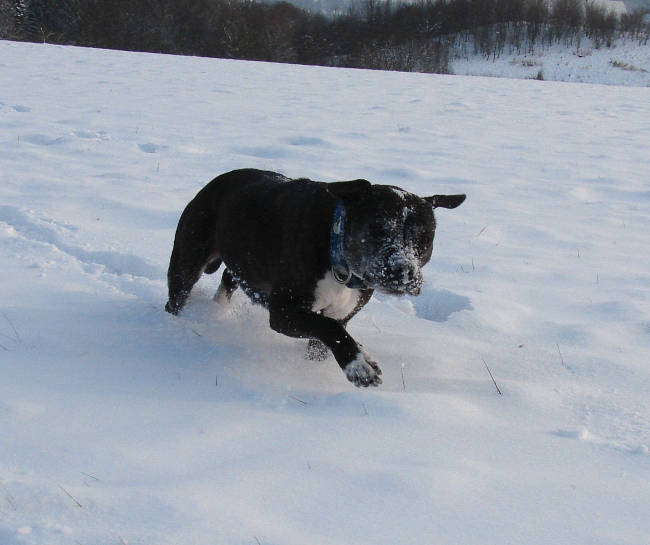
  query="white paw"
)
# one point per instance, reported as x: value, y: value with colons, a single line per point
x: 363, y: 370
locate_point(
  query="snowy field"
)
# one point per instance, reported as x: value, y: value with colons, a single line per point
x: 623, y: 64
x: 120, y: 424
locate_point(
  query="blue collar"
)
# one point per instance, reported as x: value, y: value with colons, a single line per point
x: 340, y: 269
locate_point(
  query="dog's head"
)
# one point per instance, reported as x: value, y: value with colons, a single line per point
x: 388, y: 233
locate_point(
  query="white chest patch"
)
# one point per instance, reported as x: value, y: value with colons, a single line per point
x: 334, y: 300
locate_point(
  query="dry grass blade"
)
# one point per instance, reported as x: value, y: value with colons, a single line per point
x: 12, y: 327
x: 488, y: 370
x: 560, y: 353
x: 70, y: 496
x: 10, y: 498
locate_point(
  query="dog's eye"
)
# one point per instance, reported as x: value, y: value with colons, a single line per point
x: 426, y: 239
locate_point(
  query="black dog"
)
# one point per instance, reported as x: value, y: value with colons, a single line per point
x: 311, y: 252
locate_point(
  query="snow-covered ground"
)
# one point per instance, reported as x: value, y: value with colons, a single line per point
x: 626, y: 63
x: 122, y: 424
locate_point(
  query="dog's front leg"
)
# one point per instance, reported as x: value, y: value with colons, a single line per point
x: 288, y: 318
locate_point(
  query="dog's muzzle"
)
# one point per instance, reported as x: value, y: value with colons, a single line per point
x: 396, y: 273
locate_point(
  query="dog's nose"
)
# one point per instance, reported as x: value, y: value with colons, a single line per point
x: 409, y: 275
x: 405, y: 275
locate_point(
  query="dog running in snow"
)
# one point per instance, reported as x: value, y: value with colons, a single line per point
x: 311, y: 252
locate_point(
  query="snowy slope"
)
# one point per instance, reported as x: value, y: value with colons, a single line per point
x: 626, y: 63
x: 122, y: 424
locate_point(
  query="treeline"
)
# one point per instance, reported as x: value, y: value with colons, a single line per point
x: 419, y: 36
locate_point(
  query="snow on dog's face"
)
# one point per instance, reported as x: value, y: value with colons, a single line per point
x: 389, y: 233
x: 389, y: 237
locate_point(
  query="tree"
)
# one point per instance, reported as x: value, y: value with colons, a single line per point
x: 9, y: 19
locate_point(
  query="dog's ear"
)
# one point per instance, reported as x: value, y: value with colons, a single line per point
x: 445, y: 201
x: 348, y: 191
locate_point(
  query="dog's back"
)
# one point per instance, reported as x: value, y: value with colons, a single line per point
x: 249, y: 219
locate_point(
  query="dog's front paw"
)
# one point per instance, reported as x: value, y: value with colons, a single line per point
x: 363, y: 370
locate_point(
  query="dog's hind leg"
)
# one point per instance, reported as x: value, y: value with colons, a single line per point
x: 194, y: 252
x: 183, y: 273
x: 180, y: 285
x: 227, y: 287
x: 188, y: 261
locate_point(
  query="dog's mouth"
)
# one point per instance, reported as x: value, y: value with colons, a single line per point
x: 398, y: 275
x: 394, y: 289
